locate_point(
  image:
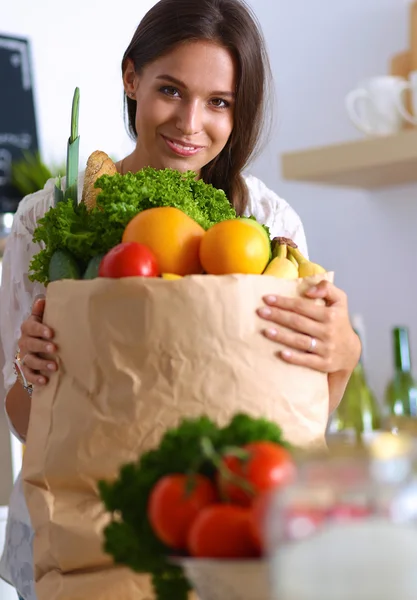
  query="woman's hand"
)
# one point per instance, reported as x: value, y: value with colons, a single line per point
x: 318, y: 336
x: 36, y: 339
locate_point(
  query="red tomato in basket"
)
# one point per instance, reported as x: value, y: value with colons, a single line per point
x: 129, y: 259
x: 222, y: 531
x: 267, y: 467
x: 173, y: 506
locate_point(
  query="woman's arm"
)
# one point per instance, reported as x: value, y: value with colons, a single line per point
x: 18, y: 403
x: 17, y: 294
x: 337, y: 385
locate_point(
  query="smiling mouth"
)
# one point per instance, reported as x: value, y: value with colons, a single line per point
x: 182, y: 148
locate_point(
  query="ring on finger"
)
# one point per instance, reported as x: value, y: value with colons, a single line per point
x: 313, y: 345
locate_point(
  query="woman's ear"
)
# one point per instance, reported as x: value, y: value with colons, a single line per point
x: 130, y: 79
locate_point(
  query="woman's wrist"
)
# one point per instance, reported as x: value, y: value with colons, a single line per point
x: 18, y: 369
x: 338, y: 380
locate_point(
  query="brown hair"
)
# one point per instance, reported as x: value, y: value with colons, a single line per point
x: 232, y: 24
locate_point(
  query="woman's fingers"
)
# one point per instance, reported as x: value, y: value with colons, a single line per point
x: 37, y: 346
x: 36, y: 363
x: 305, y: 359
x: 297, y: 341
x: 36, y: 342
x: 290, y: 321
x: 33, y: 328
x: 304, y: 307
x: 37, y: 369
x: 38, y: 308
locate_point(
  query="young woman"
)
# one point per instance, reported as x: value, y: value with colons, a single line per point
x: 196, y: 80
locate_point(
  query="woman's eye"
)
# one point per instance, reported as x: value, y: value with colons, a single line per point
x: 169, y: 90
x: 219, y: 103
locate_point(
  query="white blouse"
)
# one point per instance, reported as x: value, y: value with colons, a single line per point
x: 17, y: 294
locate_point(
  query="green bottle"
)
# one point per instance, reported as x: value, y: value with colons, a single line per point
x: 358, y: 414
x: 401, y: 391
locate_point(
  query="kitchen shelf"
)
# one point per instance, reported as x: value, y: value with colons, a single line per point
x: 367, y: 164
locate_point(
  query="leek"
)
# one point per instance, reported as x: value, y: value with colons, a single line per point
x: 73, y: 147
x: 58, y: 193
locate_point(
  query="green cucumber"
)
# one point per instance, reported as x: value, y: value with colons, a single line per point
x: 91, y: 271
x: 63, y: 266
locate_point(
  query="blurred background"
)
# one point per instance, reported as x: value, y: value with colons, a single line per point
x: 320, y: 51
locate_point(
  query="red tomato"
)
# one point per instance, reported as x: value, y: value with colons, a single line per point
x: 268, y: 466
x: 129, y: 259
x: 172, y: 509
x: 222, y: 531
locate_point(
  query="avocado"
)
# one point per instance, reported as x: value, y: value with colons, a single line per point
x: 63, y: 266
x: 252, y: 221
x: 91, y: 271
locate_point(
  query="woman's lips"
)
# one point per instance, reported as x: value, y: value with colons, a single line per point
x: 182, y: 148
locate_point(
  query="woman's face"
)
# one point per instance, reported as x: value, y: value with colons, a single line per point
x: 185, y: 105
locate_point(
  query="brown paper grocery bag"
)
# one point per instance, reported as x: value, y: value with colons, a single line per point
x: 137, y: 355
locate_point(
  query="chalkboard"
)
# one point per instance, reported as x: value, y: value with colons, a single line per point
x: 18, y: 131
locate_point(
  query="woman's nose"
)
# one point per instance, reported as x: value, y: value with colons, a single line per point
x: 190, y: 118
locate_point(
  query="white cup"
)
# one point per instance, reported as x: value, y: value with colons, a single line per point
x: 373, y: 107
x: 411, y: 85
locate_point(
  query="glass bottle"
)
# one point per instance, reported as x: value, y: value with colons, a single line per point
x: 401, y: 391
x: 358, y: 414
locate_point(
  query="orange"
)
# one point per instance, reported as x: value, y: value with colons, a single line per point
x: 171, y: 235
x: 234, y: 247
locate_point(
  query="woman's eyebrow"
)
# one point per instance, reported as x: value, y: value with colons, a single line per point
x: 182, y: 84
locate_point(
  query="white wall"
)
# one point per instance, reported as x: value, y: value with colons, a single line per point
x: 319, y: 50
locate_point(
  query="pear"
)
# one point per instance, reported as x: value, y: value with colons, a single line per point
x: 280, y: 266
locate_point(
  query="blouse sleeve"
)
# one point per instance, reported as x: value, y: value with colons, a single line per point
x: 273, y: 211
x: 17, y: 292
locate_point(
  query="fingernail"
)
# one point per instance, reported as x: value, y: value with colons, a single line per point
x: 312, y: 290
x: 264, y: 312
x: 46, y: 333
x: 41, y: 380
x: 271, y: 332
x: 271, y: 299
x: 51, y: 366
x: 286, y: 353
x: 50, y: 348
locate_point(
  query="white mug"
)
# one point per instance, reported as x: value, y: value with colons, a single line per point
x: 411, y: 85
x: 374, y: 106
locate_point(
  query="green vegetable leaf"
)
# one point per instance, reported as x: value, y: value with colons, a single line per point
x: 70, y: 226
x: 244, y: 429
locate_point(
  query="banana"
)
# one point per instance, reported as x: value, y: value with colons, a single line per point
x: 292, y: 259
x: 170, y: 276
x: 280, y: 266
x: 306, y: 268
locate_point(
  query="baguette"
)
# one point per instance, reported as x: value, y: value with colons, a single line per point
x: 98, y: 164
